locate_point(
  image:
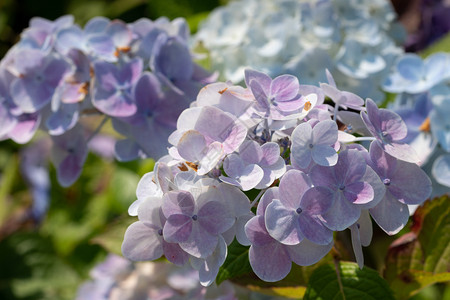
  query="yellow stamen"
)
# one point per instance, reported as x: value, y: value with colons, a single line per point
x: 307, y: 106
x: 182, y: 167
x: 223, y: 91
x: 425, y: 125
x: 192, y: 166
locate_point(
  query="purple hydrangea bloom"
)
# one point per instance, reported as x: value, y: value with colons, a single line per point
x: 274, y: 97
x: 144, y: 239
x: 271, y: 260
x: 195, y: 223
x: 205, y: 134
x: 241, y: 174
x: 112, y: 93
x: 340, y: 98
x: 38, y: 77
x: 255, y: 167
x: 351, y: 186
x: 389, y: 130
x: 156, y: 114
x: 296, y: 213
x: 406, y: 183
x: 314, y: 144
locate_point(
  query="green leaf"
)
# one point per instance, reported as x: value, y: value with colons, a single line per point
x: 422, y: 256
x: 442, y: 45
x: 346, y: 281
x: 236, y: 264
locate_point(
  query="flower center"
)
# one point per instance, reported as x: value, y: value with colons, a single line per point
x: 299, y: 210
x: 341, y: 187
x: 311, y: 146
x: 194, y: 217
x: 160, y: 232
x: 386, y: 181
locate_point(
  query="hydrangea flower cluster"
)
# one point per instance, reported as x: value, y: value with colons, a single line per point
x: 116, y: 278
x: 423, y: 101
x: 355, y: 40
x: 303, y: 156
x: 139, y: 75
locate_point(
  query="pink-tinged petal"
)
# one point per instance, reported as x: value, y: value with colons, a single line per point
x: 392, y: 124
x: 142, y: 243
x: 403, y: 152
x: 260, y: 94
x: 271, y: 153
x: 262, y: 78
x: 215, y: 218
x: 29, y: 95
x: 200, y: 244
x: 317, y: 200
x: 292, y: 187
x: 371, y: 119
x: 314, y: 230
x: 270, y: 262
x: 251, y: 152
x: 147, y: 92
x: 266, y: 199
x: 291, y: 106
x: 324, y: 155
x: 178, y: 202
x: 352, y: 100
x: 341, y: 215
x: 178, y: 228
x: 175, y: 254
x: 350, y: 167
x: 410, y: 184
x: 308, y: 253
x: 114, y: 104
x: 191, y: 145
x: 70, y: 169
x: 323, y: 176
x: 332, y: 92
x: 325, y: 133
x: 25, y: 128
x: 359, y: 192
x: 131, y: 71
x: 377, y: 185
x: 382, y: 163
x: 356, y: 244
x: 282, y: 223
x: 390, y: 214
x: 256, y: 231
x: 370, y: 127
x: 284, y: 88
